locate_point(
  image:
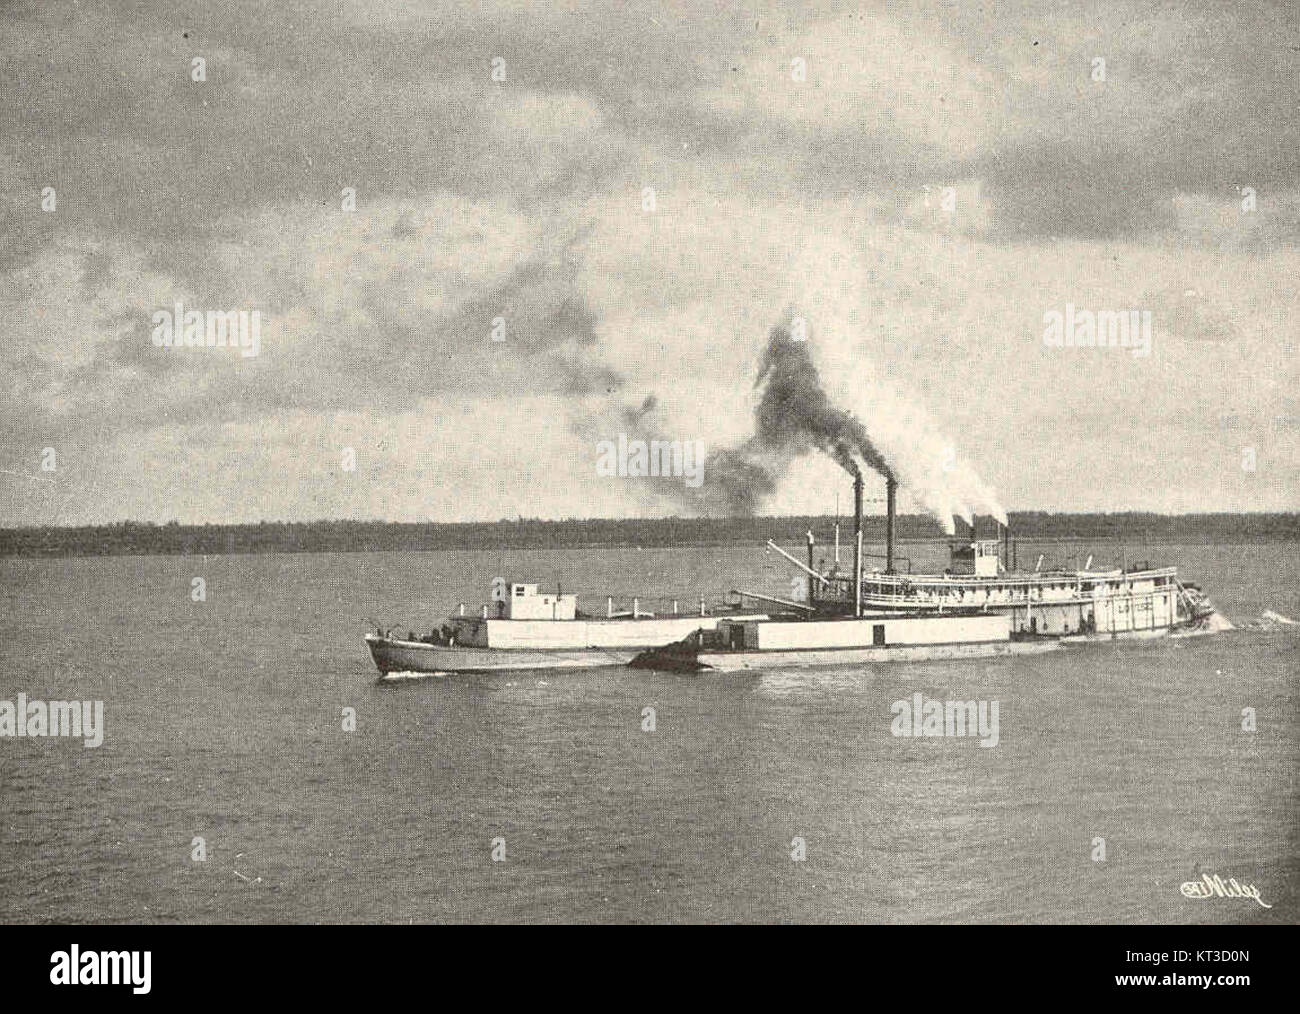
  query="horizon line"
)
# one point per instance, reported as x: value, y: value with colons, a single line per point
x: 520, y: 519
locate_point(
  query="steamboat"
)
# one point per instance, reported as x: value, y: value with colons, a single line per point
x: 1137, y: 601
x: 980, y: 606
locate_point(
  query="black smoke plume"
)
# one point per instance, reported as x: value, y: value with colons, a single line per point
x: 795, y: 412
x: 794, y: 417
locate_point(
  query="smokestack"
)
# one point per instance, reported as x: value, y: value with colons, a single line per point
x: 857, y: 545
x: 891, y: 496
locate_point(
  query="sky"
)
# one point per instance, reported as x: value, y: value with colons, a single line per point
x: 637, y: 194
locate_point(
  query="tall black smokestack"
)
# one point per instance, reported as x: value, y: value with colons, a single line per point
x: 891, y: 497
x: 857, y: 545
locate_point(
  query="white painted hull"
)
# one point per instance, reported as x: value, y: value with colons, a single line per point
x: 489, y: 645
x: 394, y: 656
x: 741, y: 660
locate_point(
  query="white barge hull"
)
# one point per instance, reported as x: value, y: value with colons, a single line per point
x: 488, y: 645
x: 737, y: 661
x: 808, y: 644
x: 392, y: 656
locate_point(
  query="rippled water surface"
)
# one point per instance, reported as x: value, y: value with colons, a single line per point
x: 223, y: 721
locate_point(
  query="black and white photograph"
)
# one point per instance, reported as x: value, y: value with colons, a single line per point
x: 658, y: 462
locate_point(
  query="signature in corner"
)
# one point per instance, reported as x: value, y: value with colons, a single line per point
x: 1215, y: 887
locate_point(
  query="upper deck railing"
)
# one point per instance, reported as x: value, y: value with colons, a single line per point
x: 1036, y: 578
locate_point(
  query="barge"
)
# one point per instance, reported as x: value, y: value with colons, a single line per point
x: 737, y: 645
x: 524, y: 628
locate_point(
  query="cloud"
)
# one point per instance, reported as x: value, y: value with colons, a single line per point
x: 1241, y: 217
x: 522, y: 200
x: 864, y: 74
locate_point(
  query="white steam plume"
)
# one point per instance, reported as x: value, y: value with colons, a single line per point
x: 829, y: 291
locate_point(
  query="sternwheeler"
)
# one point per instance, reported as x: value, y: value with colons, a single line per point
x: 1126, y: 602
x: 979, y: 607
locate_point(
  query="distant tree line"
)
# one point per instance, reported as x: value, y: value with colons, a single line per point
x: 137, y: 538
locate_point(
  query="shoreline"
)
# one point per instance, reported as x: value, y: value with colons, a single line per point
x: 1135, y: 549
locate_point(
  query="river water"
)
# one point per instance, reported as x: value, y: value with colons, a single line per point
x: 224, y: 722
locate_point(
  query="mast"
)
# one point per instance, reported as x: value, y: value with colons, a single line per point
x: 891, y: 497
x: 837, y: 532
x: 857, y: 545
x: 812, y: 585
